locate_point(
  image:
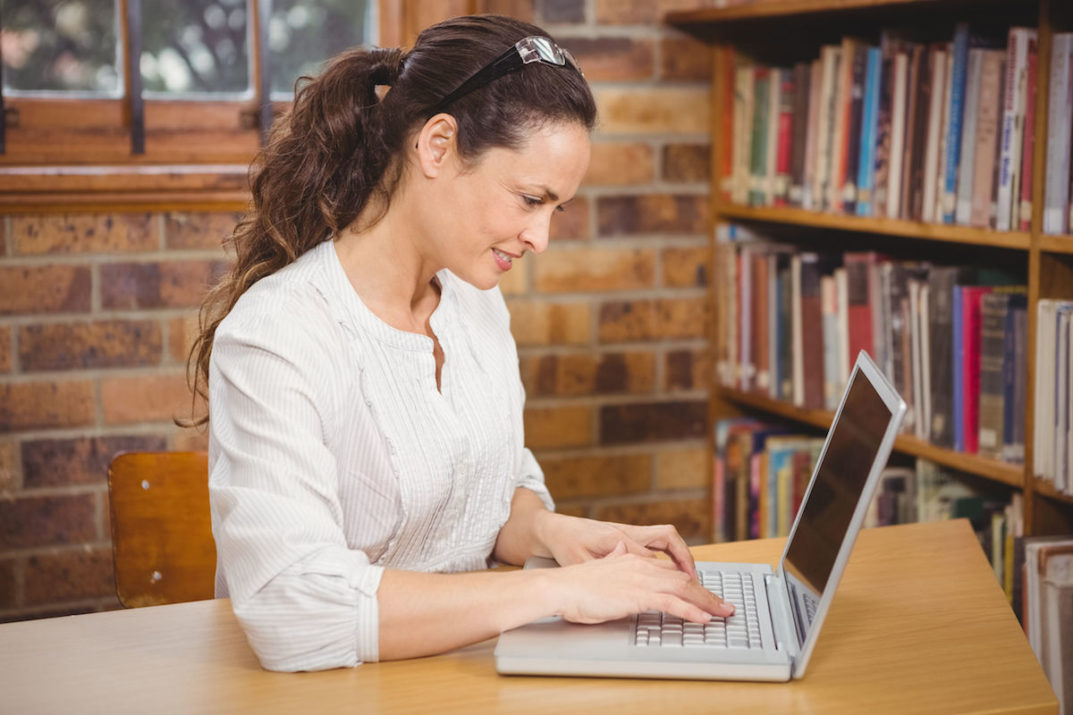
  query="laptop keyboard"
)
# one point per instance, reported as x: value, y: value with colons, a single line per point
x: 742, y: 630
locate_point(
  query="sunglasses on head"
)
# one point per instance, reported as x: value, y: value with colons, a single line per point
x: 535, y: 48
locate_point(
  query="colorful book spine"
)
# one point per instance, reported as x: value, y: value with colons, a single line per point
x: 956, y: 112
x: 1012, y: 123
x: 869, y: 118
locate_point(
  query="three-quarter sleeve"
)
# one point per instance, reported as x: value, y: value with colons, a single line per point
x: 304, y: 599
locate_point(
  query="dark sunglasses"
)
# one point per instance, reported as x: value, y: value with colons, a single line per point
x: 535, y: 48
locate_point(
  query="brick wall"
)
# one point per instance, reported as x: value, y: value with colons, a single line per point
x: 97, y: 311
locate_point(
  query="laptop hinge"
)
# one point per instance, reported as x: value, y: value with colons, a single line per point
x: 783, y: 620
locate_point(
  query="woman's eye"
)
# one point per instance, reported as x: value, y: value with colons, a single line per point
x: 531, y: 200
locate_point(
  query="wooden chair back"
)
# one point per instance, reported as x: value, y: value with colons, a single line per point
x: 161, y: 530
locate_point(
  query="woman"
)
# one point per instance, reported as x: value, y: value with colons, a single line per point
x: 365, y: 405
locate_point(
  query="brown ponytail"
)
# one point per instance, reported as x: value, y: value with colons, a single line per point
x: 340, y: 146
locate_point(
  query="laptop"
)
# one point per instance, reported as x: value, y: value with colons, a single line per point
x: 773, y: 639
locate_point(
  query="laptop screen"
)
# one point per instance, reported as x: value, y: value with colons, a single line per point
x: 840, y: 478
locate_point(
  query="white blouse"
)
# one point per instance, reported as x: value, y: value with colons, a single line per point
x: 333, y: 455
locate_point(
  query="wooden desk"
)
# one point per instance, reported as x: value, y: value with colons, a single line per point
x: 885, y: 648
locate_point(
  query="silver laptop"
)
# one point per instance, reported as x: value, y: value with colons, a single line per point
x: 777, y: 615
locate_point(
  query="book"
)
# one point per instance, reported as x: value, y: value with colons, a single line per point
x: 930, y: 169
x: 802, y: 74
x: 854, y: 128
x: 941, y: 282
x: 869, y: 128
x: 968, y: 301
x: 881, y: 164
x: 1060, y: 112
x: 899, y: 114
x: 987, y: 129
x: 966, y: 160
x: 831, y: 56
x: 1023, y: 192
x: 741, y: 147
x: 917, y: 133
x: 784, y: 131
x: 1015, y: 378
x: 993, y: 313
x: 955, y: 111
x: 1012, y: 123
x: 812, y: 138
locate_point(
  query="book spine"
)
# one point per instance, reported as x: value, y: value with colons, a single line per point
x: 812, y: 138
x: 854, y: 128
x: 758, y: 145
x: 987, y: 128
x: 956, y: 111
x: 992, y: 337
x: 1012, y: 119
x: 1024, y: 214
x: 771, y: 126
x: 897, y: 135
x: 743, y: 133
x: 843, y: 99
x: 1059, y: 112
x: 869, y: 121
x: 799, y: 133
x: 934, y: 128
x: 966, y: 162
x: 726, y: 169
x: 785, y: 137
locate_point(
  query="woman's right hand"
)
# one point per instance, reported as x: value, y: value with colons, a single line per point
x: 623, y: 584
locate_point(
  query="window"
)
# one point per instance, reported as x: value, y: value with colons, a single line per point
x: 70, y: 113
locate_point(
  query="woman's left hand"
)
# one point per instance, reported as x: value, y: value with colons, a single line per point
x: 571, y: 540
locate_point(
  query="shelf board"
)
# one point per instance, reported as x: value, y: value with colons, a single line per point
x: 1056, y: 244
x: 1045, y: 488
x: 784, y: 8
x: 1017, y: 240
x: 993, y: 469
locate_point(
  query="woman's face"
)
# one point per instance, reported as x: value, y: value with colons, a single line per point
x: 495, y: 211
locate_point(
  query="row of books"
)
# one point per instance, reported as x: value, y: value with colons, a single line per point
x: 1053, y: 424
x: 762, y: 470
x: 950, y: 338
x: 938, y: 132
x: 1045, y: 564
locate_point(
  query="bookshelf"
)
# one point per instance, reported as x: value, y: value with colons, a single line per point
x: 786, y: 31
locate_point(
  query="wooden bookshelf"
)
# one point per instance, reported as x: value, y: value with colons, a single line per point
x: 993, y: 469
x: 1019, y: 240
x: 1056, y: 244
x: 787, y: 31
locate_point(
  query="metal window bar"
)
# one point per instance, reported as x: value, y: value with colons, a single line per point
x: 263, y: 18
x: 134, y: 77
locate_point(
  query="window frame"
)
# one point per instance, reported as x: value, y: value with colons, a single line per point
x: 62, y: 153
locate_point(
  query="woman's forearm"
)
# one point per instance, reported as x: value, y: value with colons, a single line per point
x: 522, y: 535
x: 425, y: 614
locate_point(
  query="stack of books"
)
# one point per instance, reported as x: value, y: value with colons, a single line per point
x: 1053, y: 424
x: 938, y: 132
x: 950, y: 338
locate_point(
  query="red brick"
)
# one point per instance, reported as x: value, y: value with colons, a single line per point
x: 199, y: 229
x: 686, y: 267
x: 588, y: 374
x: 181, y: 335
x: 168, y: 284
x: 594, y: 270
x: 651, y: 213
x: 69, y: 576
x: 560, y: 11
x: 629, y: 321
x: 145, y: 398
x: 684, y: 58
x: 84, y: 460
x: 684, y: 469
x: 687, y: 163
x: 5, y: 348
x: 36, y: 405
x: 518, y: 9
x: 613, y: 59
x: 27, y: 522
x: 44, y: 289
x: 656, y: 110
x: 572, y: 222
x: 85, y: 233
x: 653, y: 421
x: 8, y: 467
x: 106, y: 343
x: 540, y: 322
x: 618, y: 163
x: 8, y: 584
x: 594, y: 476
x: 558, y: 427
x: 687, y: 370
x: 692, y: 517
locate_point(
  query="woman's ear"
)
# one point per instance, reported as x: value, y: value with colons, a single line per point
x: 437, y: 144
